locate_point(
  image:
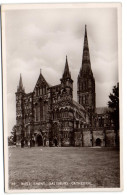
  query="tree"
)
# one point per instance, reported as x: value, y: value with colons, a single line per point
x: 12, y: 137
x: 114, y: 104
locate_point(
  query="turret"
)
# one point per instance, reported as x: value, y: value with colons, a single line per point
x: 19, y: 101
x: 66, y: 81
x: 20, y: 112
x: 20, y: 87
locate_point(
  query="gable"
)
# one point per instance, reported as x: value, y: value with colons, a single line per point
x: 41, y: 82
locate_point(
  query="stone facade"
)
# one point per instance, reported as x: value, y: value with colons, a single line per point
x: 49, y: 116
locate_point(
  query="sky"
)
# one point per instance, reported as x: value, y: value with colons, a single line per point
x: 41, y: 39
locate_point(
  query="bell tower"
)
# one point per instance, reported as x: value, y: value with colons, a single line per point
x: 86, y: 82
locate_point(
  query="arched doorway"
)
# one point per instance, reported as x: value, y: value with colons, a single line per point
x: 39, y: 140
x: 55, y: 142
x: 98, y: 142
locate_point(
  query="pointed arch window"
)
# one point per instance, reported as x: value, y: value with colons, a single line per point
x: 41, y: 109
x: 36, y: 119
x: 44, y: 89
x: 36, y: 91
x: 37, y: 112
x: 84, y: 100
x: 44, y: 111
x: 80, y: 100
x: 40, y: 91
x: 82, y: 86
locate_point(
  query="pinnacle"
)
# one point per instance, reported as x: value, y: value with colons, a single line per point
x: 20, y: 87
x: 66, y: 73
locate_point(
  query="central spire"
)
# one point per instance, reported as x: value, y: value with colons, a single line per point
x: 86, y: 55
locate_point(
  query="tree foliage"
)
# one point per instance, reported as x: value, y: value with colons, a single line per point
x: 12, y: 137
x: 114, y: 98
x: 114, y: 104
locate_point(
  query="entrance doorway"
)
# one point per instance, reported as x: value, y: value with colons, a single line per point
x: 39, y: 140
x: 55, y: 142
x: 98, y: 142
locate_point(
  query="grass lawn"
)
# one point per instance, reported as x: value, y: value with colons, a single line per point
x: 69, y: 167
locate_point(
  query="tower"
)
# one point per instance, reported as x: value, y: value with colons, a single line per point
x: 86, y: 81
x: 66, y: 109
x: 67, y: 82
x: 19, y: 112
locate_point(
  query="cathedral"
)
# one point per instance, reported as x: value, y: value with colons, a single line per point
x: 49, y: 116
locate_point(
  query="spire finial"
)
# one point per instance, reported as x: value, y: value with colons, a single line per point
x: 66, y: 60
x: 20, y: 78
x: 40, y: 71
x: 85, y: 30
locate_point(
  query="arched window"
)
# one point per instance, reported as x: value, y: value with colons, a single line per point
x: 82, y: 86
x: 44, y: 111
x: 44, y: 89
x: 40, y: 91
x: 84, y: 100
x: 86, y: 84
x: 37, y: 112
x: 80, y: 100
x: 41, y: 109
x: 36, y: 92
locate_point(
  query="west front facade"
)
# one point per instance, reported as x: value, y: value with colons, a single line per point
x: 49, y: 116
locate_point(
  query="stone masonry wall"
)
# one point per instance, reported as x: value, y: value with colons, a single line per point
x: 110, y: 138
x: 87, y: 139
